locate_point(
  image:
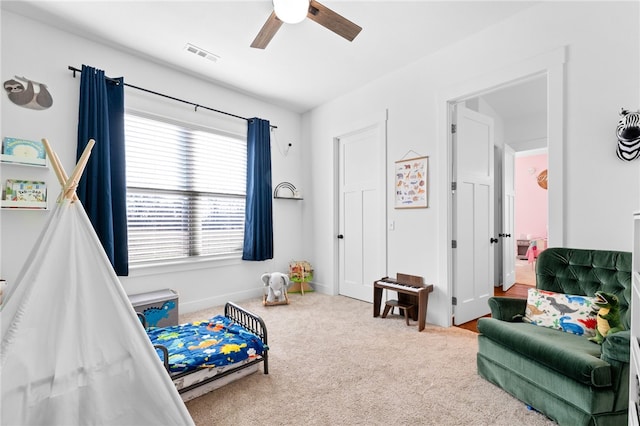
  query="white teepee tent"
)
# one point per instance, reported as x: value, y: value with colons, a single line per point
x: 73, y: 351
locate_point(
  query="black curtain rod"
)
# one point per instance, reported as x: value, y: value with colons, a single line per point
x: 75, y: 70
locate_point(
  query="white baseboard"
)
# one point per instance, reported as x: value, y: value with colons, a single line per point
x: 219, y: 300
x: 321, y: 288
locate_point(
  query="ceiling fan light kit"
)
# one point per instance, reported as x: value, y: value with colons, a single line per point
x: 291, y: 11
x: 294, y: 11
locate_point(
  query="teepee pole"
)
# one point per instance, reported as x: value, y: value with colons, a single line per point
x: 69, y: 185
x: 57, y: 166
x: 55, y: 162
x: 72, y: 183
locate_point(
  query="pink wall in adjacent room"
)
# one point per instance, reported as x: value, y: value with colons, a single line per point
x: 531, y: 199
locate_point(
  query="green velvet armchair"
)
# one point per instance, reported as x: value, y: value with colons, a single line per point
x: 565, y: 376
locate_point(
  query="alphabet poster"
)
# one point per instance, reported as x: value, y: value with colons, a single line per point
x: 411, y: 183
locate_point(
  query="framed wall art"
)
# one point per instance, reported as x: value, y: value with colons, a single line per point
x: 411, y: 186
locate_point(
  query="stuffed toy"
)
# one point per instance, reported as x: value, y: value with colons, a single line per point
x: 608, y: 319
x: 276, y: 285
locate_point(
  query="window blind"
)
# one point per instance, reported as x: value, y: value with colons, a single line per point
x: 185, y: 191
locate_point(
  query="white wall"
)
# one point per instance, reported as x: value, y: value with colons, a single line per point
x: 601, y: 192
x: 42, y: 53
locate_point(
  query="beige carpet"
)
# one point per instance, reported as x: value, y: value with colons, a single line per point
x: 332, y: 363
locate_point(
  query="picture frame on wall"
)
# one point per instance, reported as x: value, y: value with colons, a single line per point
x: 411, y: 183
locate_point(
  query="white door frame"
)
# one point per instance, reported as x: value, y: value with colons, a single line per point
x: 550, y: 64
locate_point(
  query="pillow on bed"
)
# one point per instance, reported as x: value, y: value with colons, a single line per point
x: 571, y: 313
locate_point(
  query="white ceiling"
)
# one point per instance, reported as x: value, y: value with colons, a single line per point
x: 526, y: 98
x: 305, y: 64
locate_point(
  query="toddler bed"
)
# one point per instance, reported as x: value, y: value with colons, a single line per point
x: 204, y: 355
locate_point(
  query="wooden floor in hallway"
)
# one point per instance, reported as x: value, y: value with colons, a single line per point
x: 517, y: 290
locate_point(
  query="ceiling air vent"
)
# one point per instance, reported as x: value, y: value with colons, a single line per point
x: 201, y: 52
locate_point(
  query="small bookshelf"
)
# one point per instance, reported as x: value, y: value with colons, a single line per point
x: 24, y: 152
x: 23, y: 161
x: 24, y: 205
x: 24, y: 194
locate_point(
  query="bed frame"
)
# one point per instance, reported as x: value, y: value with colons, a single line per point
x: 192, y: 384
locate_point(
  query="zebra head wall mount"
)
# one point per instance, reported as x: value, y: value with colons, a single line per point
x: 628, y: 133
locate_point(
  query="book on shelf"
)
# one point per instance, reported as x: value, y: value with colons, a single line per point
x: 25, y: 190
x: 23, y: 151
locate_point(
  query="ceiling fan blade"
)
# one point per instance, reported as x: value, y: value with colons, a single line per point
x: 332, y: 21
x: 268, y: 30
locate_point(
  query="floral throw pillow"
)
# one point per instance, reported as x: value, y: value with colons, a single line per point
x: 571, y: 313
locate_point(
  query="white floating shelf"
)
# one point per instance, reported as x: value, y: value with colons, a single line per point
x: 286, y: 191
x: 23, y: 161
x: 280, y: 197
x: 24, y: 205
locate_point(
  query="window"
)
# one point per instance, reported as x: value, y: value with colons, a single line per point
x: 185, y: 191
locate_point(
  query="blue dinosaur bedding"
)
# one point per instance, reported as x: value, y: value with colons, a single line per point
x: 205, y: 344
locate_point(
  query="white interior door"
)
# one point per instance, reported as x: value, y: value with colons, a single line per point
x: 473, y: 208
x: 362, y: 211
x: 507, y: 236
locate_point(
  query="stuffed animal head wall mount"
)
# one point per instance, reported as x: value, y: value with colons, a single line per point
x: 628, y: 133
x: 276, y: 284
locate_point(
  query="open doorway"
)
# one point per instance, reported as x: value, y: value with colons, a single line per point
x: 520, y: 114
x: 551, y: 66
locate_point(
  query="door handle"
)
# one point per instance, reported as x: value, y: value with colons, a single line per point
x: 340, y: 236
x: 493, y: 240
x: 504, y: 235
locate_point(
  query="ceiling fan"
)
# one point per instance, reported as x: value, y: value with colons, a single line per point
x: 294, y: 11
